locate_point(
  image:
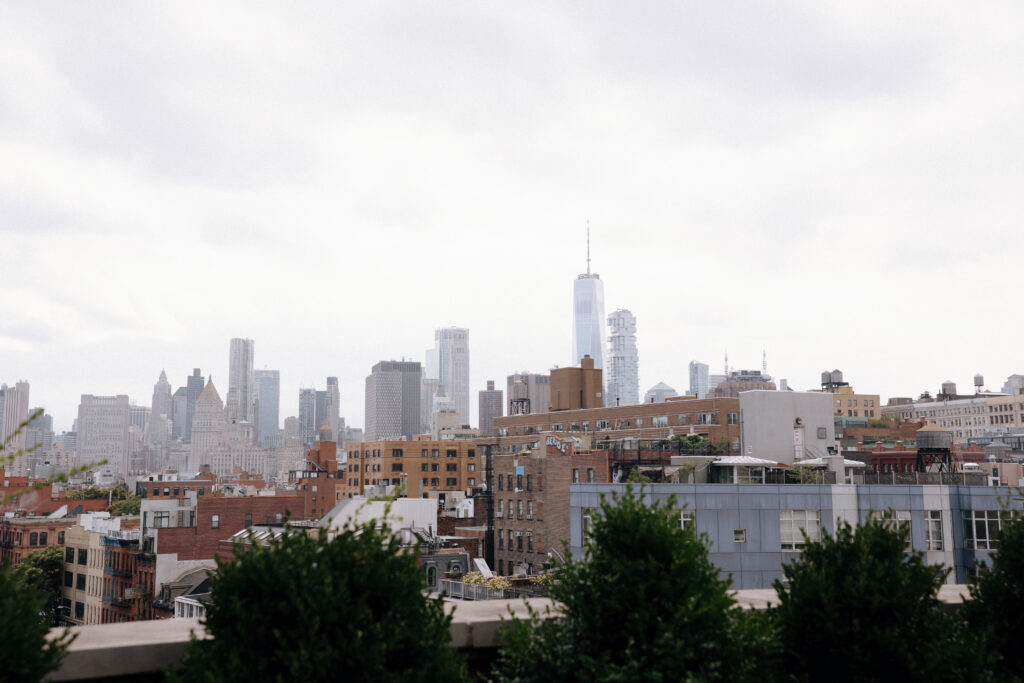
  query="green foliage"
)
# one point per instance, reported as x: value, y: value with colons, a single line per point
x: 25, y: 652
x: 42, y: 571
x: 996, y: 612
x: 129, y: 506
x: 645, y: 604
x: 97, y: 492
x: 306, y: 608
x: 805, y: 475
x: 637, y: 477
x: 858, y: 607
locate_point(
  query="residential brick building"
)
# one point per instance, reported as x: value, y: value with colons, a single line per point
x: 577, y: 388
x: 20, y: 536
x: 715, y: 419
x: 423, y: 466
x: 530, y: 491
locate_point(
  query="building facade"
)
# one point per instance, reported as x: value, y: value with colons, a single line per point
x: 577, y: 388
x: 268, y: 406
x: 451, y: 349
x: 787, y: 426
x: 424, y: 467
x: 393, y: 400
x: 103, y: 423
x: 491, y: 405
x: 14, y: 411
x: 588, y: 319
x: 241, y: 384
x: 699, y: 379
x: 623, y: 378
x: 528, y: 393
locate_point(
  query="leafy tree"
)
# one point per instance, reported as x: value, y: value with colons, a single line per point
x: 858, y: 607
x: 129, y: 506
x: 644, y: 604
x: 309, y: 608
x: 42, y: 571
x: 996, y: 612
x: 25, y: 652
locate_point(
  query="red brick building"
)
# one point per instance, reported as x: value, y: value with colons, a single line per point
x: 20, y: 536
x: 531, y: 501
x: 423, y: 466
x: 322, y: 483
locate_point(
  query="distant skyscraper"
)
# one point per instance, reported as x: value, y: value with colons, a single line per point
x: 307, y: 417
x: 241, y: 388
x: 393, y: 400
x: 428, y: 389
x: 162, y: 403
x: 268, y: 406
x: 193, y: 388
x: 698, y: 379
x: 491, y: 405
x: 209, y: 425
x: 588, y: 328
x: 103, y: 423
x: 623, y: 379
x: 179, y: 408
x: 327, y: 408
x: 528, y: 393
x: 14, y: 411
x: 451, y: 346
x: 39, y: 433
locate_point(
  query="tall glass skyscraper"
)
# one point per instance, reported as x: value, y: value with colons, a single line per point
x: 268, y: 406
x: 588, y: 330
x: 241, y: 391
x: 622, y: 380
x: 451, y: 351
x: 699, y: 379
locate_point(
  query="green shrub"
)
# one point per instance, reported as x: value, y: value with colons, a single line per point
x: 644, y: 604
x: 42, y: 571
x: 306, y: 608
x: 996, y: 612
x: 25, y: 652
x: 858, y: 607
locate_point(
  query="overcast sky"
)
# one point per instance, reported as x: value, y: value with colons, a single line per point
x: 837, y: 183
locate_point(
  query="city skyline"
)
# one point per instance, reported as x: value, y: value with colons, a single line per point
x: 863, y: 160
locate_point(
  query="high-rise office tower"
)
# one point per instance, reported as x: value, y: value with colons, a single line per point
x: 528, y: 393
x: 588, y: 327
x: 103, y: 423
x: 162, y: 404
x: 241, y: 388
x: 209, y: 426
x: 268, y: 406
x: 193, y: 388
x: 699, y: 379
x: 39, y: 433
x: 179, y: 406
x: 307, y: 417
x: 623, y: 379
x: 451, y: 346
x: 14, y: 411
x: 428, y: 389
x: 328, y: 408
x: 393, y: 400
x: 491, y: 405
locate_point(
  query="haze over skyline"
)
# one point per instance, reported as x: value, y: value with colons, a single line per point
x: 835, y: 183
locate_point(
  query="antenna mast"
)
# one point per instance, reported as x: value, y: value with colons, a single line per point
x: 588, y: 246
x: 764, y: 362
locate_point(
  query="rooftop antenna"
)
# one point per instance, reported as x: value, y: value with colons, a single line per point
x: 764, y: 362
x: 588, y: 246
x: 727, y: 363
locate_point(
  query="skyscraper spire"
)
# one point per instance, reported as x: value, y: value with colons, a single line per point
x: 588, y: 246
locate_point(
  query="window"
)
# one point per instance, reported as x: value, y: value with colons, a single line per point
x: 575, y: 476
x: 452, y: 453
x: 80, y: 582
x: 981, y: 528
x: 519, y: 482
x: 511, y: 508
x: 423, y: 482
x: 452, y: 467
x: 451, y: 482
x: 424, y: 467
x: 639, y: 422
x: 501, y: 542
x: 215, y: 522
x: 519, y: 540
x: 33, y: 538
x: 739, y: 535
x: 396, y: 467
x: 434, y: 452
x: 60, y: 538
x: 687, y: 520
x: 588, y: 524
x: 471, y: 467
x: 659, y: 421
x: 248, y: 520
x: 471, y: 481
x: 822, y: 433
x: 69, y: 555
x: 602, y: 424
x: 471, y: 453
x: 510, y: 487
x: 529, y: 509
x: 43, y: 538
x: 69, y: 579
x: 396, y: 452
x: 435, y: 467
x: 933, y: 529
x: 79, y: 611
x: 529, y: 482
x: 434, y: 481
x: 161, y: 519
x: 732, y: 418
x: 529, y: 541
x: 590, y: 475
x: 83, y: 556
x: 501, y: 483
x: 519, y: 509
x: 167, y: 491
x: 794, y: 524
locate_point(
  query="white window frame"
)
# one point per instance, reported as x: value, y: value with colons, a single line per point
x: 793, y: 522
x: 933, y: 539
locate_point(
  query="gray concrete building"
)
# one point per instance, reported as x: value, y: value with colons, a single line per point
x: 534, y: 388
x: 491, y: 405
x: 753, y: 529
x: 786, y: 426
x: 103, y: 423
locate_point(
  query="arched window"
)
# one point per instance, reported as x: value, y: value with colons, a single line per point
x: 33, y: 538
x: 432, y: 576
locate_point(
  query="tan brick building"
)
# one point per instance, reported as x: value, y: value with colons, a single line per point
x: 577, y: 388
x: 715, y: 419
x: 421, y: 465
x: 530, y: 493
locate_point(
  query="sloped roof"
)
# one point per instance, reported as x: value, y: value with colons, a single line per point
x: 209, y: 391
